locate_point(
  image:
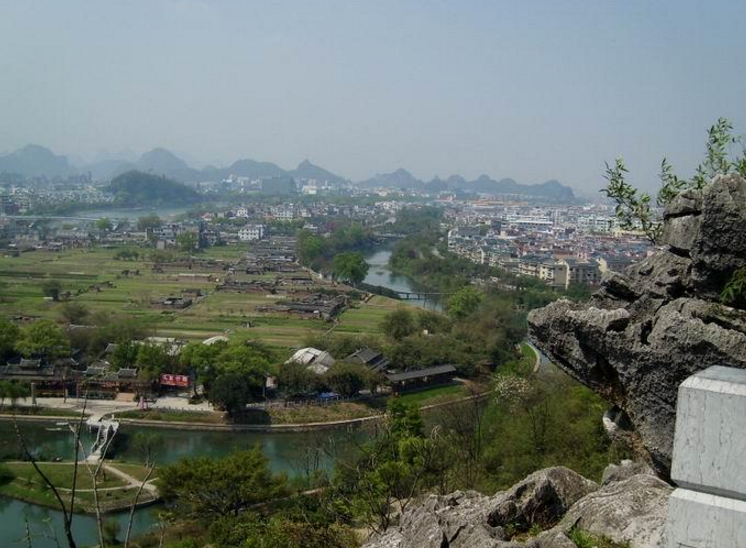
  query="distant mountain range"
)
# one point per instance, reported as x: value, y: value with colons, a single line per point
x: 551, y: 190
x: 34, y: 161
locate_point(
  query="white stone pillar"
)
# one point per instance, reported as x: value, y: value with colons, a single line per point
x: 708, y: 510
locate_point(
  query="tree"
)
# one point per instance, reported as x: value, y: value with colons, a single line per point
x: 347, y: 379
x: 387, y: 474
x: 149, y: 222
x: 125, y: 354
x: 43, y: 338
x: 13, y: 391
x: 350, y: 267
x: 153, y: 359
x: 399, y: 323
x: 293, y: 378
x: 310, y: 247
x: 104, y: 224
x: 464, y: 302
x: 633, y: 207
x: 9, y: 333
x: 52, y: 288
x: 187, y: 242
x: 232, y: 391
x: 74, y: 312
x: 205, y: 488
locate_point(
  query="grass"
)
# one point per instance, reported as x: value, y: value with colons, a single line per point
x: 114, y: 492
x: 584, y: 539
x: 61, y: 475
x: 437, y: 394
x: 173, y: 416
x: 523, y: 365
x: 229, y: 313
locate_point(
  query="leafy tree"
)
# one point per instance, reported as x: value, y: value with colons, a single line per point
x: 634, y: 210
x: 125, y: 354
x: 149, y: 221
x: 52, y: 288
x: 43, y: 338
x: 104, y: 224
x: 464, y: 302
x: 350, y: 267
x: 279, y: 531
x: 310, y: 247
x: 153, y: 359
x: 433, y: 322
x: 9, y: 333
x: 294, y: 378
x: 74, y: 312
x: 13, y: 391
x: 399, y: 323
x: 347, y: 379
x: 205, y: 488
x: 387, y: 473
x: 233, y: 390
x: 187, y: 242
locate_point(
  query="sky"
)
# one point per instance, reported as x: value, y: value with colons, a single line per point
x: 528, y: 89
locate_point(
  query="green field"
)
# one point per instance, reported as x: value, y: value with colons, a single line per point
x: 99, y: 281
x: 113, y: 491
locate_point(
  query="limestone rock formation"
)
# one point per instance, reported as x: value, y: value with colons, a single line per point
x: 629, y: 508
x: 647, y: 330
x: 634, y: 510
x: 541, y: 498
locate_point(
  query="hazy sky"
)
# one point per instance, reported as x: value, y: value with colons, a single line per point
x: 527, y: 89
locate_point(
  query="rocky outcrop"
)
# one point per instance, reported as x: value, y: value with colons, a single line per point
x: 630, y: 507
x: 542, y: 498
x: 647, y: 330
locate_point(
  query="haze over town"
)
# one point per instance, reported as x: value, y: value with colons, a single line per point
x: 532, y: 90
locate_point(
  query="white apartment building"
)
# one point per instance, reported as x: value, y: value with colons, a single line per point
x: 250, y: 233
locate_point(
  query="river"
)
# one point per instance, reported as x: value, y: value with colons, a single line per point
x: 163, y: 212
x: 380, y: 274
x: 286, y: 452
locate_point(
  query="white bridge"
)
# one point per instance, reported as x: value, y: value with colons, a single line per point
x: 106, y: 429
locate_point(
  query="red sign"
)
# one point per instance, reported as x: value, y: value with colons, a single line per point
x: 167, y: 379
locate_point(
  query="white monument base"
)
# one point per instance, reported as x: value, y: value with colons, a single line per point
x: 709, y: 462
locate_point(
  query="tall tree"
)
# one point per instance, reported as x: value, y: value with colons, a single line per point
x: 350, y: 267
x: 43, y: 338
x: 205, y: 488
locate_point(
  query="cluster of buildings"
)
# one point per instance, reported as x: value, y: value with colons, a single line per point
x: 558, y: 245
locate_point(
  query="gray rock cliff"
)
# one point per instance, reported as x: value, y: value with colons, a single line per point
x: 629, y: 507
x: 646, y: 330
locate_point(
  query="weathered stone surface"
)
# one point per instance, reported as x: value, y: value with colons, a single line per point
x: 624, y: 470
x: 456, y: 520
x: 542, y: 498
x: 633, y: 510
x: 645, y: 331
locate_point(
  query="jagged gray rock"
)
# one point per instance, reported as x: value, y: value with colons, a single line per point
x: 625, y: 470
x: 456, y: 520
x: 647, y: 330
x: 542, y: 498
x: 633, y: 510
x: 629, y: 507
